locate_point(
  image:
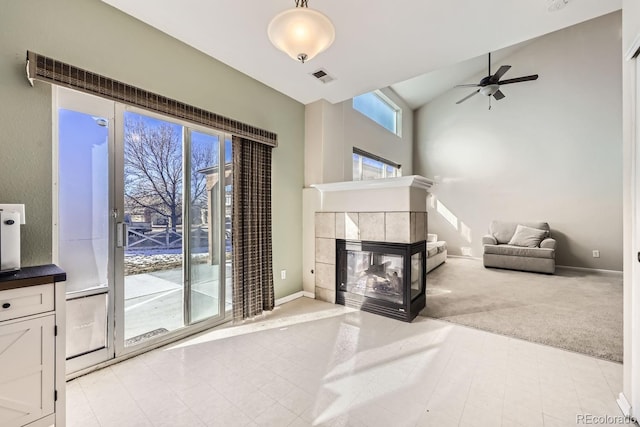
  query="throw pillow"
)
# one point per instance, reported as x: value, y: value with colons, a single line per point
x: 527, y: 237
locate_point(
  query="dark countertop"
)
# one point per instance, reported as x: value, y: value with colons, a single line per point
x: 31, y: 276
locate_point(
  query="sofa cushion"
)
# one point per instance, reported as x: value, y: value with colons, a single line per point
x: 548, y: 242
x: 519, y: 251
x: 527, y: 236
x: 436, y: 247
x: 431, y: 251
x: 503, y: 231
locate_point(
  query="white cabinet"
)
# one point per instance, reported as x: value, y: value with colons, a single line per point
x: 31, y: 353
x: 27, y: 370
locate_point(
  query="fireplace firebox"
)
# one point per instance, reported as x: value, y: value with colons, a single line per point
x: 382, y: 278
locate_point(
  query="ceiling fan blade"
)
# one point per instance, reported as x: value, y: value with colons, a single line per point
x: 518, y: 79
x: 498, y: 95
x: 468, y: 85
x: 499, y: 73
x: 468, y: 96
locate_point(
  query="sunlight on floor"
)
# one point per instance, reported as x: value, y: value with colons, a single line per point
x: 310, y: 363
x: 270, y: 320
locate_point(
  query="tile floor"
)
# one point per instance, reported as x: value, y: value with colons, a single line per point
x: 154, y: 300
x: 316, y: 364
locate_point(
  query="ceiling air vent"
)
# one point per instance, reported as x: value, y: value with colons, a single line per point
x: 323, y: 76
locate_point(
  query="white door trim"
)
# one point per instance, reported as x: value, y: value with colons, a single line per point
x: 630, y: 404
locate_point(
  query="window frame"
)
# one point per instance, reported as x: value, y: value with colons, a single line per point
x: 397, y: 110
x: 385, y: 162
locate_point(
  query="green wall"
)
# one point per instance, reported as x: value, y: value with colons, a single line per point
x: 97, y: 37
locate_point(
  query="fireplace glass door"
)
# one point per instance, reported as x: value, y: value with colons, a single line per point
x: 417, y: 273
x: 381, y: 277
x: 375, y: 275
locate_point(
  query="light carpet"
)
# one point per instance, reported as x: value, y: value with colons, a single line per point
x: 574, y: 310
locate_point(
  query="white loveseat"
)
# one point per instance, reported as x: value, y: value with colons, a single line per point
x: 436, y: 251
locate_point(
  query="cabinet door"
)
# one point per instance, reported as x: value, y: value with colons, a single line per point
x: 26, y: 370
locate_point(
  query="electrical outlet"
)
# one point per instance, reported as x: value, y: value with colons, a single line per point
x: 283, y: 274
x: 596, y: 253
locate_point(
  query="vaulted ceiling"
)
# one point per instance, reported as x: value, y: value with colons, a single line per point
x: 378, y: 42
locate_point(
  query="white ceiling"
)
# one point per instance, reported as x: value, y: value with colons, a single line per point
x: 378, y: 42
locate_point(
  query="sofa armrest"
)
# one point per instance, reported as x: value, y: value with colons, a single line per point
x: 432, y: 237
x: 489, y: 240
x: 548, y: 243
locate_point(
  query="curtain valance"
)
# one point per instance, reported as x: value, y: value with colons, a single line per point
x: 49, y: 70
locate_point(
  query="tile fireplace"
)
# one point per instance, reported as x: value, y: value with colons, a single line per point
x: 381, y: 277
x: 390, y: 211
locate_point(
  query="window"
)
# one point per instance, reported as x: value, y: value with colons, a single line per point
x: 370, y: 166
x: 380, y: 109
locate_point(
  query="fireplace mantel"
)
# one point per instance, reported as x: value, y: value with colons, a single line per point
x: 401, y: 194
x: 416, y: 181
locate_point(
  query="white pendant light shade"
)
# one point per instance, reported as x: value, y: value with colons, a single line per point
x: 301, y: 33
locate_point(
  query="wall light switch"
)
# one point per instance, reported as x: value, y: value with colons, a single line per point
x: 596, y: 253
x: 283, y: 274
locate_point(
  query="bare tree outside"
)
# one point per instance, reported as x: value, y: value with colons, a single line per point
x: 154, y: 166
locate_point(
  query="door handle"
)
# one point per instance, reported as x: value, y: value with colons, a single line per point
x: 121, y: 235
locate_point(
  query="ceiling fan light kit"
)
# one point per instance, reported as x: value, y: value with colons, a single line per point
x: 489, y: 90
x: 490, y: 85
x: 301, y: 33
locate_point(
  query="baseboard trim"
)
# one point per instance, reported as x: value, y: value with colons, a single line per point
x: 567, y: 267
x: 624, y: 405
x: 464, y: 256
x: 591, y: 270
x: 625, y: 408
x: 295, y: 296
x: 289, y: 298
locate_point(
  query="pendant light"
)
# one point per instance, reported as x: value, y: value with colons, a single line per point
x: 301, y: 33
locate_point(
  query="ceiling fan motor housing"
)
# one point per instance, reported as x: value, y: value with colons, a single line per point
x: 485, y: 81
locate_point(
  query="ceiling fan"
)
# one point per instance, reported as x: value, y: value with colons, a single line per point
x: 490, y: 85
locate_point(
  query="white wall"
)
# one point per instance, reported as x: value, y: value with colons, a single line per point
x: 631, y: 383
x: 332, y: 130
x: 551, y: 150
x: 363, y: 133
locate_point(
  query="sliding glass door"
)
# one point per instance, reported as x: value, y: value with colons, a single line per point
x: 153, y: 246
x: 209, y: 216
x: 143, y: 226
x: 173, y: 246
x: 208, y: 243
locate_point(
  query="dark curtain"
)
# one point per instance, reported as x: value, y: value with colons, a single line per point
x: 251, y: 229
